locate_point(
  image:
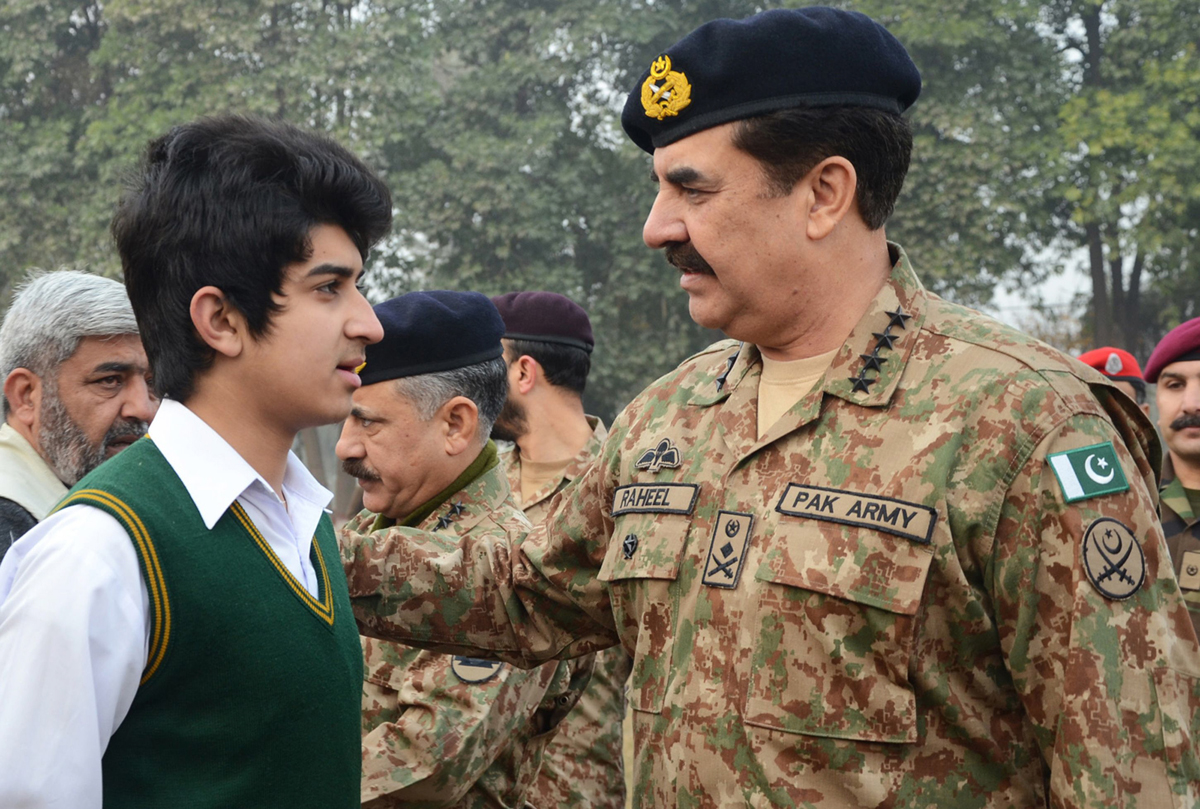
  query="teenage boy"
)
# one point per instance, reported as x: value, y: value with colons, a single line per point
x: 178, y: 632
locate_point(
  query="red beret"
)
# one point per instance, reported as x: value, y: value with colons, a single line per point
x: 1182, y: 343
x: 545, y: 316
x: 1115, y: 363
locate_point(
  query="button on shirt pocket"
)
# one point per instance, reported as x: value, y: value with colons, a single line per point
x: 835, y: 632
x: 641, y: 567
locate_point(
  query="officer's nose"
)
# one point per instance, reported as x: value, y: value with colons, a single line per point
x: 1191, y: 395
x: 348, y: 445
x: 663, y: 226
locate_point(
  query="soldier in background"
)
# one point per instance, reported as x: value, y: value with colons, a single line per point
x: 1122, y: 368
x: 875, y: 550
x: 440, y: 730
x: 1174, y: 366
x: 548, y: 344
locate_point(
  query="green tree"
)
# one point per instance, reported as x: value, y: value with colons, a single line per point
x: 520, y: 178
x: 1059, y: 131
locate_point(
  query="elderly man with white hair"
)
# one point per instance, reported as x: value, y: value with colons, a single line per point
x: 75, y: 390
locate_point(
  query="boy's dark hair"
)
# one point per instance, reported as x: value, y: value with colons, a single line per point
x: 565, y: 366
x: 790, y: 142
x: 229, y: 202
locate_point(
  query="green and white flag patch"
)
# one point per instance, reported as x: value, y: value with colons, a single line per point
x: 1088, y: 472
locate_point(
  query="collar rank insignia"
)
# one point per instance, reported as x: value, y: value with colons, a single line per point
x: 728, y: 367
x: 665, y: 92
x: 454, y: 512
x: 1113, y: 559
x: 664, y: 456
x: 884, y: 341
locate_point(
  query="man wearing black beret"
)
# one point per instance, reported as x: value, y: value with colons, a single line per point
x: 442, y: 730
x: 874, y: 550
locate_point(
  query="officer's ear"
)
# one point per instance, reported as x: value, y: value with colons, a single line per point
x: 527, y: 371
x: 830, y: 187
x: 459, y: 421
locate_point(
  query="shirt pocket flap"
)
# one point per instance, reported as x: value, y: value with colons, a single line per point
x: 645, y: 546
x: 848, y: 562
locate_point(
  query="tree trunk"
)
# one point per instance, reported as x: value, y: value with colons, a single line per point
x: 1102, y: 320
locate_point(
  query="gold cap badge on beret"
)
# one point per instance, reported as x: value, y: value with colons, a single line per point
x: 665, y: 92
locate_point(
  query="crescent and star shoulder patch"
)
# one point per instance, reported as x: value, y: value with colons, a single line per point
x: 1113, y: 559
x: 1088, y: 472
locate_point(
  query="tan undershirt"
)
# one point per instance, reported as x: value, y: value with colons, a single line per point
x: 536, y: 474
x: 784, y: 383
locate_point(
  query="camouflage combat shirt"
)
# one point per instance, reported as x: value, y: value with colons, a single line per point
x: 894, y: 598
x: 442, y: 730
x: 1182, y: 529
x: 582, y: 765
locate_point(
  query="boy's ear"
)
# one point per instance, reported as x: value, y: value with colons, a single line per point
x: 220, y: 325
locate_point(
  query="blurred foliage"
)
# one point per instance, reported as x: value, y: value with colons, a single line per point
x: 495, y: 124
x: 1062, y: 130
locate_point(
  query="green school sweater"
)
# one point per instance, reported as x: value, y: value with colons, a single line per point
x: 251, y: 694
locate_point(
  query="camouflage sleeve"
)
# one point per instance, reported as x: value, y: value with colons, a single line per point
x: 1090, y: 622
x: 522, y: 599
x: 433, y: 724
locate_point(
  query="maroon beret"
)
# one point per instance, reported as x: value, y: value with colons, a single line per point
x: 545, y: 316
x: 1181, y: 344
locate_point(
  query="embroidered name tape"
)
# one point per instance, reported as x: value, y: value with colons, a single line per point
x: 727, y: 550
x: 474, y: 669
x: 1088, y: 472
x: 655, y: 498
x: 909, y: 520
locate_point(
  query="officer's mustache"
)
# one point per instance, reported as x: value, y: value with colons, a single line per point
x: 355, y: 468
x: 1185, y: 421
x: 685, y: 257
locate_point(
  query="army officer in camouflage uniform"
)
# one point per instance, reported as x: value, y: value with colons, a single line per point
x: 876, y: 550
x: 548, y: 345
x: 441, y: 730
x: 1174, y: 368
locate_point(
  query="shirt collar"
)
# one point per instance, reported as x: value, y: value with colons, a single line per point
x: 25, y: 478
x: 212, y: 471
x: 868, y: 367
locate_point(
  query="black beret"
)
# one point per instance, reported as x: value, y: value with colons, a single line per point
x: 545, y: 316
x: 427, y: 332
x: 727, y: 70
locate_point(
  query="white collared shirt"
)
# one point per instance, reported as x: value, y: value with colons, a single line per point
x: 75, y: 616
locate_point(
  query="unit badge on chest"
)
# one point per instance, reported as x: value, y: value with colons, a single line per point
x: 474, y: 669
x: 727, y: 550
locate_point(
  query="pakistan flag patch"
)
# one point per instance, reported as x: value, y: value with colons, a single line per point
x: 1088, y: 472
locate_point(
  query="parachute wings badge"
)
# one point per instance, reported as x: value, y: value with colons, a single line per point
x: 665, y: 92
